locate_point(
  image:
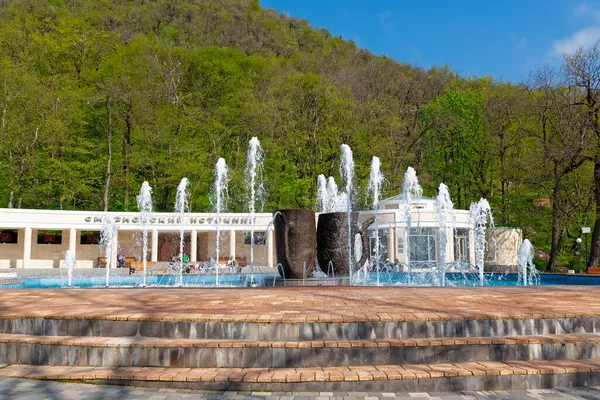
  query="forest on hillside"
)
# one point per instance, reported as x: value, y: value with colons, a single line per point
x: 97, y: 96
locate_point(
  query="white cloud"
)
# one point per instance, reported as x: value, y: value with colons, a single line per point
x: 582, y: 9
x: 583, y: 38
x: 586, y: 10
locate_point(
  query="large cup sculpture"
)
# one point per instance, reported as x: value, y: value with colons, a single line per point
x: 332, y: 241
x: 295, y: 242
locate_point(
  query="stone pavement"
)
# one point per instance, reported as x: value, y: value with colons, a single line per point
x: 481, y: 371
x: 305, y: 339
x: 303, y: 304
x: 28, y: 389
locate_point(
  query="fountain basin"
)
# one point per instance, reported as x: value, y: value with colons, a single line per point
x: 295, y: 242
x: 271, y: 279
x: 332, y: 241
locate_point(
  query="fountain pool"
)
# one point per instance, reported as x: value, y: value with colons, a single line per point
x: 239, y: 281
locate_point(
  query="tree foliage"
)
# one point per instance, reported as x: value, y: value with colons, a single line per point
x: 97, y: 96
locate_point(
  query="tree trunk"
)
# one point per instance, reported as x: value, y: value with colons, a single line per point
x: 11, y: 184
x: 555, y: 240
x: 595, y: 248
x: 504, y: 179
x: 108, y: 157
x: 21, y: 181
x: 126, y: 158
x: 27, y: 153
x: 11, y: 191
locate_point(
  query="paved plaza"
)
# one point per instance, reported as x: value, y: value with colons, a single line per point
x: 307, y: 339
x: 29, y: 389
x: 309, y: 304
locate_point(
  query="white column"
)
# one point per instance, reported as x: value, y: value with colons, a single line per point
x: 270, y: 249
x: 26, y: 247
x: 154, y: 253
x: 73, y: 241
x: 391, y: 248
x: 232, y: 243
x: 194, y: 246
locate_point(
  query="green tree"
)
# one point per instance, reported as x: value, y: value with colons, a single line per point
x: 454, y: 142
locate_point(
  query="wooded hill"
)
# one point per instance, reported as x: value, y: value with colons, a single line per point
x: 97, y: 96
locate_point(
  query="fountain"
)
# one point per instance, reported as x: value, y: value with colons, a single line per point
x: 528, y: 274
x: 337, y: 241
x: 69, y: 264
x: 254, y: 188
x: 332, y: 241
x: 218, y: 199
x: 181, y: 206
x: 444, y: 211
x: 295, y: 242
x: 322, y: 198
x: 480, y: 214
x: 144, y: 202
x: 109, y: 242
x: 347, y: 175
x: 329, y: 198
x: 411, y: 189
x: 374, y: 191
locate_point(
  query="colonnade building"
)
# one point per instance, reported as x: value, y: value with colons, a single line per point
x: 39, y: 238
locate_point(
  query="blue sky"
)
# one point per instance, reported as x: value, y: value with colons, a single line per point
x: 502, y: 38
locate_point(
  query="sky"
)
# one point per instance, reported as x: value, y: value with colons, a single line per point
x: 505, y: 39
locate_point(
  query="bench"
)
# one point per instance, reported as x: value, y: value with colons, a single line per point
x: 139, y: 265
x: 241, y: 261
x: 35, y: 263
x: 594, y: 270
x: 136, y: 265
x: 79, y: 264
x: 127, y: 264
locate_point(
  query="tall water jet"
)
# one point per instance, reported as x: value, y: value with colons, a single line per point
x: 254, y: 186
x: 411, y: 189
x: 144, y: 202
x: 445, y: 211
x: 69, y: 264
x: 336, y: 201
x: 321, y: 193
x: 347, y: 175
x: 480, y: 214
x: 181, y: 206
x: 218, y: 199
x: 374, y: 192
x: 528, y: 274
x: 329, y: 198
x: 108, y: 242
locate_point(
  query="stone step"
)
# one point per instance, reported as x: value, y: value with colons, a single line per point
x: 257, y: 329
x: 144, y: 351
x: 385, y: 378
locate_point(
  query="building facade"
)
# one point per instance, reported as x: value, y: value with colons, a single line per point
x: 40, y: 238
x: 423, y: 248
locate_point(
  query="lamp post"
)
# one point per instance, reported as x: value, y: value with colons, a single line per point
x: 586, y: 230
x: 578, y: 253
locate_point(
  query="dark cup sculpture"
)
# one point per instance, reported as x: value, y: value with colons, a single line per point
x: 332, y: 241
x: 295, y: 242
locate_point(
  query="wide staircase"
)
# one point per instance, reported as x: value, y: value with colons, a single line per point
x: 322, y: 353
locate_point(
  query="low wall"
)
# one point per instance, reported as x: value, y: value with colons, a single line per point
x: 57, y: 272
x: 502, y: 247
